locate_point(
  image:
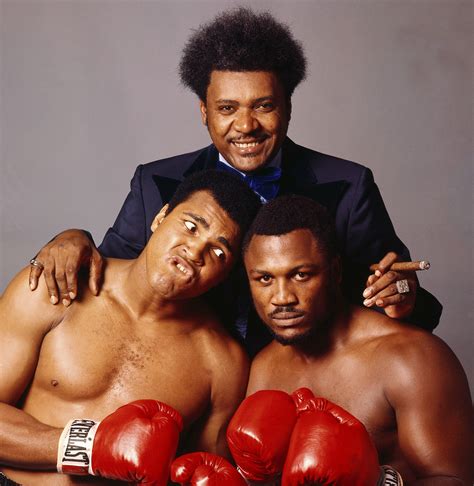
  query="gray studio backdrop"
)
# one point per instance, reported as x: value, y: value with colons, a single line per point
x: 89, y: 89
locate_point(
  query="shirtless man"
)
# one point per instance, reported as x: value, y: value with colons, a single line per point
x: 404, y: 384
x: 146, y: 336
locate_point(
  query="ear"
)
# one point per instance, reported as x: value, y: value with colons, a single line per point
x: 203, y: 109
x: 159, y: 217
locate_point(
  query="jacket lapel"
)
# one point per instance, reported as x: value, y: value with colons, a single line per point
x: 206, y: 159
x: 299, y: 176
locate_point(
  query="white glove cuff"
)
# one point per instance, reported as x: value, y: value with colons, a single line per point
x: 389, y: 477
x: 75, y: 447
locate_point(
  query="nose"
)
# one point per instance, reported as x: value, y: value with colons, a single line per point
x: 284, y: 295
x: 194, y: 251
x: 245, y: 121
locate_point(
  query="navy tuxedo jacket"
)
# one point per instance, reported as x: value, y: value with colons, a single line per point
x: 365, y: 232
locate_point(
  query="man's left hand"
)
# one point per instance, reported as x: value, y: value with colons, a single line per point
x: 383, y: 291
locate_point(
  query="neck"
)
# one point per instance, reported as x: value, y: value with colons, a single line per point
x: 130, y: 286
x: 331, y: 334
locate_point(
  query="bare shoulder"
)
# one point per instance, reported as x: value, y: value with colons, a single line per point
x: 264, y: 370
x: 269, y: 355
x: 20, y: 307
x: 221, y: 353
x: 25, y: 319
x: 413, y: 361
x: 408, y: 346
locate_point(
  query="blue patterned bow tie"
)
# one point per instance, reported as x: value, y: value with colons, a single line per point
x: 265, y: 182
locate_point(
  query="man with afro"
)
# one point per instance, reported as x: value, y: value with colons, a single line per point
x: 244, y: 67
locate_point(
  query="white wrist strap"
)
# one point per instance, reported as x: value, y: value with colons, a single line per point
x: 389, y: 477
x: 75, y: 447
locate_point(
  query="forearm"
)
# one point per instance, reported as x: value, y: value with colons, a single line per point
x: 25, y: 442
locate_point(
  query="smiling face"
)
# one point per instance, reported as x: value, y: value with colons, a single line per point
x: 293, y: 284
x: 192, y: 248
x: 247, y: 116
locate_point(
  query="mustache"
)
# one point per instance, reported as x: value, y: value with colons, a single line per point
x: 285, y: 309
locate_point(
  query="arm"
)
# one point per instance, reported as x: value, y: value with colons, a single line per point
x: 117, y: 447
x: 370, y: 237
x: 230, y: 373
x: 24, y: 321
x: 429, y: 393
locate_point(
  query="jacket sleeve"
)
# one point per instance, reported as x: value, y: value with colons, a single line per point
x: 370, y: 236
x: 127, y: 237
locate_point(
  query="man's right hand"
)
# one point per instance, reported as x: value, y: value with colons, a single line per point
x: 330, y: 446
x: 204, y: 469
x: 259, y: 434
x: 136, y: 443
x: 60, y: 261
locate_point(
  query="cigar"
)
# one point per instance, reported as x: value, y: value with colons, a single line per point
x: 405, y: 266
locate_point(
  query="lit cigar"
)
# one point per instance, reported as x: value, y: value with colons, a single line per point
x: 405, y: 266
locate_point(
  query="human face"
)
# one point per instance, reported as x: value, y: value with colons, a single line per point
x: 292, y: 283
x: 192, y: 248
x: 247, y: 116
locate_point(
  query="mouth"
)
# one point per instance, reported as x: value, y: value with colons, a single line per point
x: 286, y: 320
x: 183, y: 266
x: 249, y: 146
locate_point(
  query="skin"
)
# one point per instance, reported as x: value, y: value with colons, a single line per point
x: 246, y: 108
x: 249, y: 107
x: 405, y: 385
x: 139, y: 339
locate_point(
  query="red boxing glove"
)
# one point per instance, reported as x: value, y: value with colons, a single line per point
x: 136, y: 443
x: 204, y: 469
x: 259, y: 434
x: 329, y: 446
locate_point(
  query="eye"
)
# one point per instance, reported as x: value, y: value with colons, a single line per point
x: 219, y: 253
x: 266, y: 106
x: 265, y: 278
x: 226, y: 109
x: 301, y: 276
x: 192, y: 227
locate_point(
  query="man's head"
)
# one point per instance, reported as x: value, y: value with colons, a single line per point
x: 197, y: 235
x: 293, y: 266
x: 244, y: 67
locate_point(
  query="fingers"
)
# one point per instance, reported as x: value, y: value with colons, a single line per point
x: 35, y: 273
x: 95, y: 273
x: 386, y: 262
x: 388, y: 296
x: 46, y: 266
x: 72, y: 270
x: 372, y: 279
x: 380, y: 288
x: 49, y: 278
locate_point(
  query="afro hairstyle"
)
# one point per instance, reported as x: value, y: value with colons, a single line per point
x: 242, y: 40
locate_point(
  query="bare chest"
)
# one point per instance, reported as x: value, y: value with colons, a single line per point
x: 351, y: 383
x: 93, y: 363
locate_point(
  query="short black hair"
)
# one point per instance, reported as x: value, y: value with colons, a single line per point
x: 230, y: 192
x: 289, y: 213
x: 242, y: 40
